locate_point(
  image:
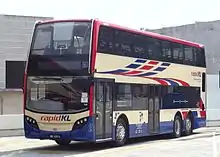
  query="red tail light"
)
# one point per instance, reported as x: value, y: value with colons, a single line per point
x: 202, y: 109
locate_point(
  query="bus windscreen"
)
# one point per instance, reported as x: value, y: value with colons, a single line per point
x: 60, y: 48
x: 57, y: 94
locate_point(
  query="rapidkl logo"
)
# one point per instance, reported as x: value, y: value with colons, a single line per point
x: 56, y: 118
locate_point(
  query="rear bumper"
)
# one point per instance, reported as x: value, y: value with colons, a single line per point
x: 199, y: 122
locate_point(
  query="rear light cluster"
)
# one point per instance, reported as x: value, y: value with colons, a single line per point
x: 202, y: 109
x: 80, y: 123
x: 32, y: 122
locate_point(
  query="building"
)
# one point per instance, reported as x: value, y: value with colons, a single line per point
x: 15, y: 36
x: 208, y: 34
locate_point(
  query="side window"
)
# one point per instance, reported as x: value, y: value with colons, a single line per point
x: 123, y: 43
x: 154, y: 48
x: 140, y: 96
x: 123, y: 95
x: 200, y: 57
x: 188, y: 51
x: 140, y: 46
x: 177, y: 52
x: 166, y: 53
x: 105, y: 41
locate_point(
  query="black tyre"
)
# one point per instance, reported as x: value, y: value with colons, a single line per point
x: 177, y: 126
x: 63, y: 142
x: 188, y: 125
x: 121, y: 132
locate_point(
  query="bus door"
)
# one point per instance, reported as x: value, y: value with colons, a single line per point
x: 103, y: 108
x: 154, y: 110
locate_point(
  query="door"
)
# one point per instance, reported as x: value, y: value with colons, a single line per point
x: 103, y: 108
x: 154, y: 110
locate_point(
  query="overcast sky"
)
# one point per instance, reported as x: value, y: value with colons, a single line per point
x: 132, y: 13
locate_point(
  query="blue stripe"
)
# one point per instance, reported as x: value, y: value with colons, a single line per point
x: 159, y: 69
x: 165, y: 64
x: 133, y: 66
x: 146, y: 74
x: 118, y: 71
x: 141, y: 60
x: 171, y: 82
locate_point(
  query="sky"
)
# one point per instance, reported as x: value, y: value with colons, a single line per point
x: 150, y: 14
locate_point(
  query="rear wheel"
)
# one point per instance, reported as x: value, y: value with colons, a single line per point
x: 177, y: 126
x: 121, y: 133
x: 188, y: 125
x: 63, y: 142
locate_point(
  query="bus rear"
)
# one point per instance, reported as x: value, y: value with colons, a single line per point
x: 57, y: 82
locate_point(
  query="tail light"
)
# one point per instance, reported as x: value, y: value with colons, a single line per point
x: 202, y: 109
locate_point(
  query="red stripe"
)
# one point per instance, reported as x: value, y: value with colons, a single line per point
x: 180, y: 81
x: 153, y: 62
x: 94, y: 45
x: 146, y: 67
x: 132, y: 72
x: 91, y: 93
x: 162, y: 82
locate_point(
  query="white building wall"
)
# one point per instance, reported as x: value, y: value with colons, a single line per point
x: 15, y: 37
x: 16, y: 32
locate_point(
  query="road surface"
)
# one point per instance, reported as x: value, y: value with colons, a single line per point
x: 202, y: 144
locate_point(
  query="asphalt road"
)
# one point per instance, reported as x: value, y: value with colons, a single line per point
x: 201, y: 143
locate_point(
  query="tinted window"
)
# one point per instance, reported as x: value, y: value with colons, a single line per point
x: 154, y: 48
x: 123, y: 95
x: 105, y: 43
x: 166, y: 51
x: 188, y: 53
x: 129, y: 44
x: 60, y: 48
x: 140, y: 46
x: 123, y: 43
x: 140, y: 96
x: 200, y: 57
x: 177, y: 52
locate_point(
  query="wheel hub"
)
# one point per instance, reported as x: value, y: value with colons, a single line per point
x: 188, y: 124
x: 177, y: 127
x: 120, y: 133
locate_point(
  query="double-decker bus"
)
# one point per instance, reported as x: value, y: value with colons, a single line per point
x: 89, y: 80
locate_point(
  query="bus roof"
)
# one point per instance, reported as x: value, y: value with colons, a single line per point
x: 147, y: 33
x: 65, y: 20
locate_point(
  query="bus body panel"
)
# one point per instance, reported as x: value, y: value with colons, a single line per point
x: 137, y: 70
x: 138, y: 125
